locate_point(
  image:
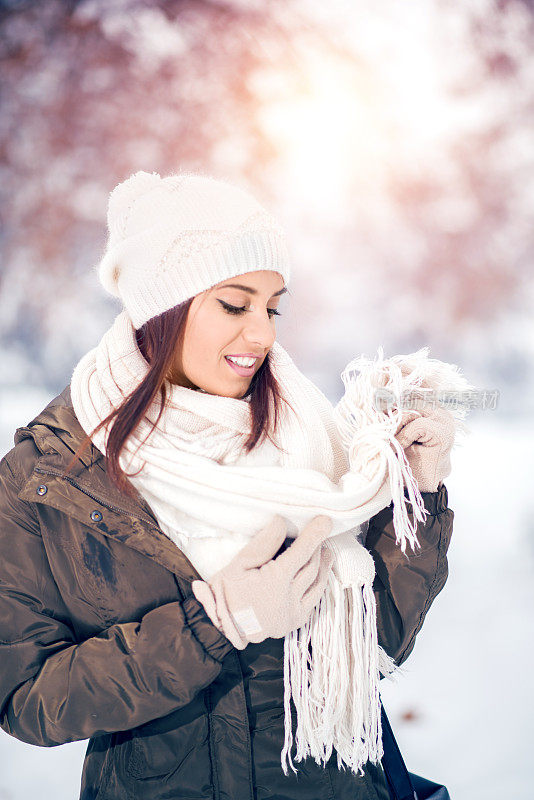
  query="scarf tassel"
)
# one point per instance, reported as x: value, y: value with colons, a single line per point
x: 337, y: 701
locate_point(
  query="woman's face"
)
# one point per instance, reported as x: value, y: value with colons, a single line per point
x: 228, y: 321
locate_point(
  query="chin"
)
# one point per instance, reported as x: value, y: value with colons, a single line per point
x: 223, y: 391
x: 237, y: 393
x: 234, y: 389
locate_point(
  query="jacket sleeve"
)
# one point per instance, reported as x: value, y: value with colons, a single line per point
x: 54, y: 689
x: 406, y: 584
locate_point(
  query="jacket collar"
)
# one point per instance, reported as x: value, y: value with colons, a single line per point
x: 87, y: 487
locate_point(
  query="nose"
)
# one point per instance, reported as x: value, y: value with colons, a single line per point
x: 259, y: 330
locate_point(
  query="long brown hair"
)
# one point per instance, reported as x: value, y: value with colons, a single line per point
x: 157, y: 340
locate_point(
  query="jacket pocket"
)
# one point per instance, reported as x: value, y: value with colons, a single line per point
x: 159, y: 756
x: 172, y: 752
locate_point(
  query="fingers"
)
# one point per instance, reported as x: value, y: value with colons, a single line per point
x: 406, y: 417
x: 264, y: 544
x: 306, y: 575
x: 437, y: 426
x: 316, y: 590
x: 304, y: 546
x: 408, y: 434
x: 420, y: 431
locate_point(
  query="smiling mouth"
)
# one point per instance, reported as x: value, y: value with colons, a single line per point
x: 245, y: 372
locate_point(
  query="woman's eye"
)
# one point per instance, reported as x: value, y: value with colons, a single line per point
x: 232, y: 309
x: 241, y: 309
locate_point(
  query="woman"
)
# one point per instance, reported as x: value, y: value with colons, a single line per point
x: 122, y: 621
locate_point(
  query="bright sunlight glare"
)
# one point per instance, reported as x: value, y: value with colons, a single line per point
x: 347, y: 121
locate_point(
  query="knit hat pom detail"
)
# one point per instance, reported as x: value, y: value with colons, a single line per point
x: 124, y: 195
x: 120, y: 205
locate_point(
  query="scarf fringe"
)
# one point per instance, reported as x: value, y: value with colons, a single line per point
x: 367, y: 431
x: 337, y: 701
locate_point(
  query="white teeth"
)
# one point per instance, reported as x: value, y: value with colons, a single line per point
x: 243, y: 361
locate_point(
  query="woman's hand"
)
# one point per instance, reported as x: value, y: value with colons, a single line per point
x: 256, y: 596
x: 427, y: 442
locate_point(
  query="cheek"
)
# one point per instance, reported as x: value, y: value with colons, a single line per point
x: 206, y: 343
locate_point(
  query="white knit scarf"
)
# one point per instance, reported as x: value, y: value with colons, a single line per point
x: 210, y: 498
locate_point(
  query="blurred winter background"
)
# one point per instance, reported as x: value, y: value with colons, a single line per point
x: 395, y: 143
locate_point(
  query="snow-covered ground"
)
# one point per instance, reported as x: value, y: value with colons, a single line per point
x: 467, y: 683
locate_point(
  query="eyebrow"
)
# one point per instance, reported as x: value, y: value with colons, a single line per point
x: 249, y: 289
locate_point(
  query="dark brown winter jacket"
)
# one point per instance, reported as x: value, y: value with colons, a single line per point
x: 101, y: 637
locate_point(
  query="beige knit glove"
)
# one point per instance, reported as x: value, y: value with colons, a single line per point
x: 427, y: 443
x: 255, y: 597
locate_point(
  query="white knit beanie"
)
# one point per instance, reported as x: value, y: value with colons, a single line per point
x: 172, y: 238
